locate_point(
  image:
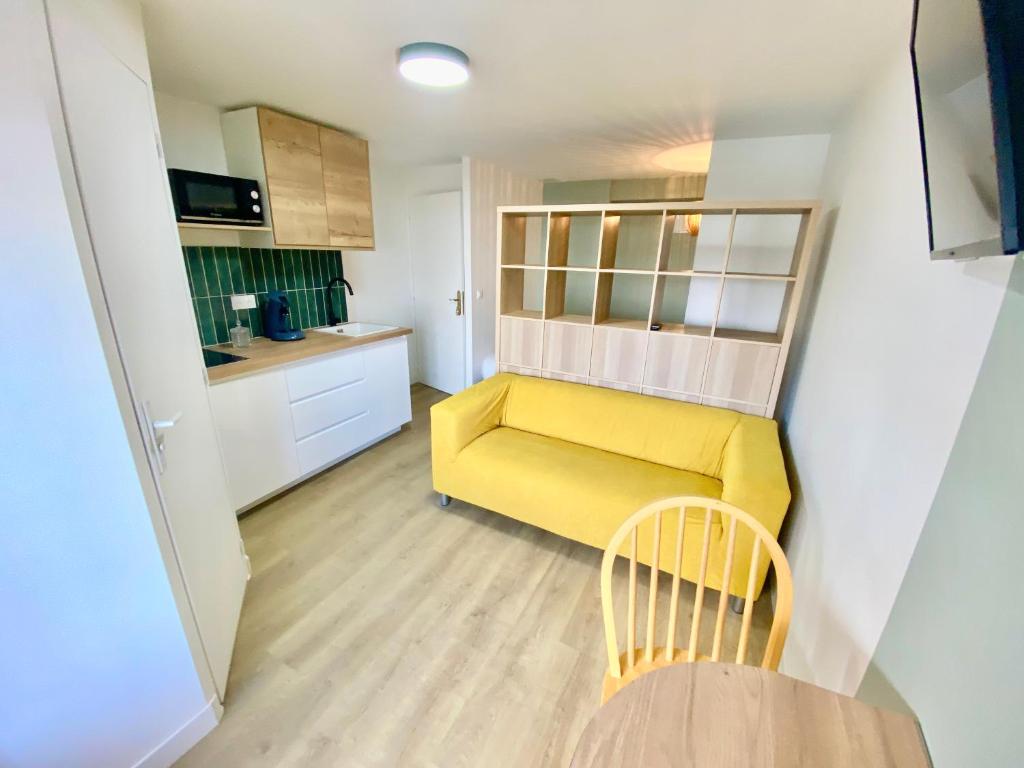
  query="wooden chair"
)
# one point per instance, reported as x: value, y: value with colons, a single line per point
x: 626, y: 667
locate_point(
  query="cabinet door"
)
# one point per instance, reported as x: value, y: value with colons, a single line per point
x: 346, y: 168
x: 254, y: 423
x: 618, y: 356
x: 567, y: 348
x: 675, y: 361
x: 520, y: 342
x: 295, y: 179
x: 741, y: 370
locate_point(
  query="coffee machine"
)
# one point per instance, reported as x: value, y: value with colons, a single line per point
x: 277, y: 318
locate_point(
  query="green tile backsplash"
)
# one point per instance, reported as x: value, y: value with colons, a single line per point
x: 216, y: 272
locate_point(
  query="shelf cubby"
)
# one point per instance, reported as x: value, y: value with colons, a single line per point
x: 672, y: 296
x: 753, y: 310
x: 624, y: 299
x: 574, y: 240
x: 569, y: 296
x: 522, y: 292
x: 765, y: 244
x: 524, y: 239
x: 630, y: 240
x: 704, y: 252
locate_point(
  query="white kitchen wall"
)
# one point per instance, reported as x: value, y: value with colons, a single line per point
x: 191, y: 135
x: 878, y: 386
x: 95, y: 664
x: 486, y: 186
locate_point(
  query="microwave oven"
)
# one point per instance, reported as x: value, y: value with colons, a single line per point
x: 210, y: 198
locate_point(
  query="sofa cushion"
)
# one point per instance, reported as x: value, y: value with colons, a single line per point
x: 678, y: 435
x: 573, y: 490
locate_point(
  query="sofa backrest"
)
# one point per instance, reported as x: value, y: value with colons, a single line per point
x: 676, y: 434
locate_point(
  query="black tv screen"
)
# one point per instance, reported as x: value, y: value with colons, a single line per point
x: 968, y: 58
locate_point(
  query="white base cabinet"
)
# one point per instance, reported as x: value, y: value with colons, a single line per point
x: 279, y: 427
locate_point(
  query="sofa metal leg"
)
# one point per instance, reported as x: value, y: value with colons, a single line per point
x: 443, y: 499
x: 736, y: 604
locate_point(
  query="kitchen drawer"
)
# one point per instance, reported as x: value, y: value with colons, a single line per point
x: 332, y: 444
x: 330, y: 373
x: 326, y: 409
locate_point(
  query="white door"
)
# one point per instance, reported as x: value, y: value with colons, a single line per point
x: 122, y: 181
x: 435, y: 237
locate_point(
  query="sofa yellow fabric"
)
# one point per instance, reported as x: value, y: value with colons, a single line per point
x: 578, y: 460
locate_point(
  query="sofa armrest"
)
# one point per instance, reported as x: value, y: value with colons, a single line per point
x: 460, y: 419
x: 753, y: 472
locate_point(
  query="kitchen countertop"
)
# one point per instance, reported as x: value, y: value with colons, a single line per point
x: 264, y: 354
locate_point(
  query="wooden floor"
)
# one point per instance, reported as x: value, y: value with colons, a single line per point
x: 382, y: 630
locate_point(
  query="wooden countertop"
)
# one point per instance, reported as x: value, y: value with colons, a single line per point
x: 264, y: 354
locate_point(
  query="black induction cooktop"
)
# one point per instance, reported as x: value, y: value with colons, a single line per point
x: 212, y: 358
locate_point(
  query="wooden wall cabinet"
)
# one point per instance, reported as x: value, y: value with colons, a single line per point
x: 315, y: 179
x: 579, y: 287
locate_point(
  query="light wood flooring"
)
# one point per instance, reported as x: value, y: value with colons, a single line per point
x: 382, y: 630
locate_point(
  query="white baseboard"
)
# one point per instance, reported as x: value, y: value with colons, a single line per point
x: 186, y: 737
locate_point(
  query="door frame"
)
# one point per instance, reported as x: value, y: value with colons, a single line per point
x: 467, y: 291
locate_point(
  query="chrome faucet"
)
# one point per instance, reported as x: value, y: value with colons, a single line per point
x: 332, y: 319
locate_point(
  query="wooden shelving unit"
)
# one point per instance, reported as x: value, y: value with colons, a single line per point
x: 579, y: 287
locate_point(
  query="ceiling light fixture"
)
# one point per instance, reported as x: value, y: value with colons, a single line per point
x: 688, y: 158
x: 433, y: 64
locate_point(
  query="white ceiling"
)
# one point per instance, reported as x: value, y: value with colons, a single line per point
x: 566, y: 89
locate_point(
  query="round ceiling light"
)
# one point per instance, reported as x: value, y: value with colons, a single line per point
x: 688, y: 158
x: 433, y: 64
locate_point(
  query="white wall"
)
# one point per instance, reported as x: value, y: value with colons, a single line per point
x: 878, y: 391
x: 95, y: 664
x: 486, y: 186
x: 382, y: 278
x: 773, y: 168
x: 191, y: 135
x: 950, y: 651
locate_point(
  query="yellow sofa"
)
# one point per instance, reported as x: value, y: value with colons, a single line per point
x: 578, y: 460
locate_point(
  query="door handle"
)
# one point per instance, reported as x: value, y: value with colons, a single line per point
x: 458, y: 303
x: 167, y: 423
x: 156, y: 439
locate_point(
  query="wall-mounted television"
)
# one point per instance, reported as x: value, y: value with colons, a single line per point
x: 968, y: 58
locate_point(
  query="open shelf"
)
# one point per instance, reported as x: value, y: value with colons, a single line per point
x: 524, y: 314
x: 625, y: 323
x: 630, y: 240
x: 574, y: 239
x: 522, y: 292
x: 624, y: 299
x: 524, y: 239
x: 753, y: 310
x: 569, y: 294
x: 709, y: 246
x: 685, y: 330
x: 754, y: 337
x: 685, y: 301
x: 765, y: 244
x: 572, y: 319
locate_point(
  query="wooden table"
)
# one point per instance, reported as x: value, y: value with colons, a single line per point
x: 716, y: 715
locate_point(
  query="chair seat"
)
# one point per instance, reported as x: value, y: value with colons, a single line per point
x: 641, y: 666
x: 573, y: 490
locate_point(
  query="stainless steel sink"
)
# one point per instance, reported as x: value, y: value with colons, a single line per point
x: 356, y: 329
